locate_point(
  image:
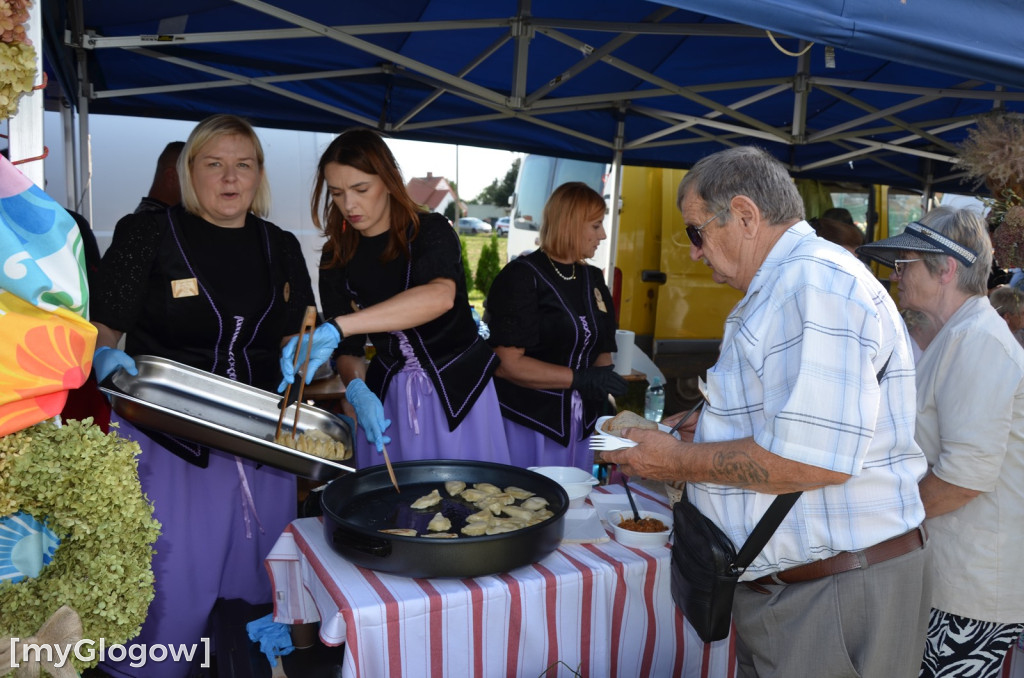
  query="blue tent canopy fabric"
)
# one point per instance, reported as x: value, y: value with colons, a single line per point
x: 877, y: 91
x: 974, y: 41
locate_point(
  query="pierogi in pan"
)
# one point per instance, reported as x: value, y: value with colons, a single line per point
x: 493, y: 510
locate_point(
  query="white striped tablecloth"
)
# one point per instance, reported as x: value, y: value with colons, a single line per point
x: 593, y: 609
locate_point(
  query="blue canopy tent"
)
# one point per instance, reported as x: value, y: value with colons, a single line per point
x: 876, y: 91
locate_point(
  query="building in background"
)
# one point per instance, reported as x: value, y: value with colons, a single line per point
x: 433, y: 192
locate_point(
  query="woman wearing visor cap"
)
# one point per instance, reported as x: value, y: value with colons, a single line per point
x: 970, y: 424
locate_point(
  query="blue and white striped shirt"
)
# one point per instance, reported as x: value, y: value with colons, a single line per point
x: 798, y: 373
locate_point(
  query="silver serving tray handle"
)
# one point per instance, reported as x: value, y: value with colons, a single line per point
x: 212, y: 410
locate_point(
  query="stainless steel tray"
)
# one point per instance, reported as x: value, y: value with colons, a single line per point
x: 190, y: 403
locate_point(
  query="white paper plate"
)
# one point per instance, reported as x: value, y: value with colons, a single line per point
x: 583, y: 526
x: 622, y: 442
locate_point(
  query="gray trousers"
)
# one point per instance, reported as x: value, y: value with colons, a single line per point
x: 868, y: 623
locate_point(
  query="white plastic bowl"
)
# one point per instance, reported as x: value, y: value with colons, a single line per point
x: 576, y: 482
x: 641, y: 540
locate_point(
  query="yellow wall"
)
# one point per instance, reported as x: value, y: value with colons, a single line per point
x: 652, y: 237
x: 639, y: 246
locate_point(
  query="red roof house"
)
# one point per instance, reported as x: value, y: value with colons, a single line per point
x: 433, y: 192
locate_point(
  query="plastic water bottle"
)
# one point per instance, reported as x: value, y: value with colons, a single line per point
x: 654, y: 400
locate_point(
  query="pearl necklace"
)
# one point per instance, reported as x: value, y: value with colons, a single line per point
x: 559, y: 273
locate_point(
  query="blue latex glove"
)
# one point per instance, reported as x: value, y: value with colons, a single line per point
x: 274, y: 638
x: 369, y: 413
x: 325, y: 339
x: 106, y: 360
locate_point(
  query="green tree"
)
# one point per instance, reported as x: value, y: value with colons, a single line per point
x: 451, y: 212
x: 465, y: 265
x: 499, y: 191
x: 488, y: 266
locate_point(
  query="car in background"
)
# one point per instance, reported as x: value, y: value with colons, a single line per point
x: 501, y: 226
x: 472, y: 225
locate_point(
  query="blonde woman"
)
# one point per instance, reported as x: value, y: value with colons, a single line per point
x: 212, y: 284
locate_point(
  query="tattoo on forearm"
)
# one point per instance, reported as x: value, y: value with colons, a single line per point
x: 737, y: 469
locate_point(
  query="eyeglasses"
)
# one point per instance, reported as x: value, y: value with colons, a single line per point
x: 900, y: 265
x: 694, y: 232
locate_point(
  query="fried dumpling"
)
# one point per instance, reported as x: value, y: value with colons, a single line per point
x: 439, y: 523
x: 483, y: 516
x: 427, y: 501
x: 518, y: 492
x: 454, y: 487
x: 474, y: 495
x: 440, y: 535
x: 501, y: 528
x: 518, y: 513
x: 401, y: 531
x: 474, y: 529
x: 534, y: 503
x: 487, y: 487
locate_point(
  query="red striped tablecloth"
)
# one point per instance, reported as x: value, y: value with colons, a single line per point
x: 593, y: 609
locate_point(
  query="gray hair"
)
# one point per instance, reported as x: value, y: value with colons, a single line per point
x: 967, y: 227
x: 1007, y: 300
x: 749, y: 171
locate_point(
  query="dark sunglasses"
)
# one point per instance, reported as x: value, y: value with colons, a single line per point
x: 694, y: 232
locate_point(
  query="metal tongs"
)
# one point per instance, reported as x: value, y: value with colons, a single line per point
x: 308, y: 325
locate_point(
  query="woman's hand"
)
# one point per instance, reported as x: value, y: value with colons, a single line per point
x: 369, y: 413
x: 107, y: 360
x: 325, y: 339
x: 595, y: 383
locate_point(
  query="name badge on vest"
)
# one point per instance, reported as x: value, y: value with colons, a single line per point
x: 600, y: 301
x: 185, y: 287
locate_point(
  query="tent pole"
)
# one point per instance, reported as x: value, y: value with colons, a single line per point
x: 67, y: 119
x: 615, y: 199
x: 801, y: 89
x: 83, y: 187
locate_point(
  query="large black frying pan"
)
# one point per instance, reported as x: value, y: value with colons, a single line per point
x: 357, y: 506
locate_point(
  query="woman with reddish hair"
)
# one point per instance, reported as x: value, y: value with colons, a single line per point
x: 553, y: 326
x: 392, y: 273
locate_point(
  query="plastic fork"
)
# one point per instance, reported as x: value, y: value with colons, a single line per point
x: 602, y: 442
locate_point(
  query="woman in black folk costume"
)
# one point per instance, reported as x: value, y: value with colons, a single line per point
x: 211, y: 284
x: 553, y: 326
x: 392, y: 272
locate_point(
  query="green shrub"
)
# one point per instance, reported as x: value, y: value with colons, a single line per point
x: 465, y: 265
x: 488, y: 266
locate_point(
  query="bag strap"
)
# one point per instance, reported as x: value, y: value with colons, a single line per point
x: 772, y: 518
x: 764, y: 530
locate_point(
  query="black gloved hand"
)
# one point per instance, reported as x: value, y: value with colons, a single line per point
x: 595, y: 383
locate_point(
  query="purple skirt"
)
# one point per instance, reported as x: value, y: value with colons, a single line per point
x: 532, y: 448
x: 419, y: 428
x: 212, y: 543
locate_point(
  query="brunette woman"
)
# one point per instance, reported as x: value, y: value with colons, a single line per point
x: 392, y: 272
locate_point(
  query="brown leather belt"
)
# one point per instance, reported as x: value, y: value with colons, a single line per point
x: 849, y: 560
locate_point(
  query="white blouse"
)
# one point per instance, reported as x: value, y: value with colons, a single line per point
x: 970, y: 424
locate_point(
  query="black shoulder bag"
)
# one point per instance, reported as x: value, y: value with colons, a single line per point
x: 705, y: 565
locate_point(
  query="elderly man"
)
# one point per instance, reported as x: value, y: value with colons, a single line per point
x: 813, y: 391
